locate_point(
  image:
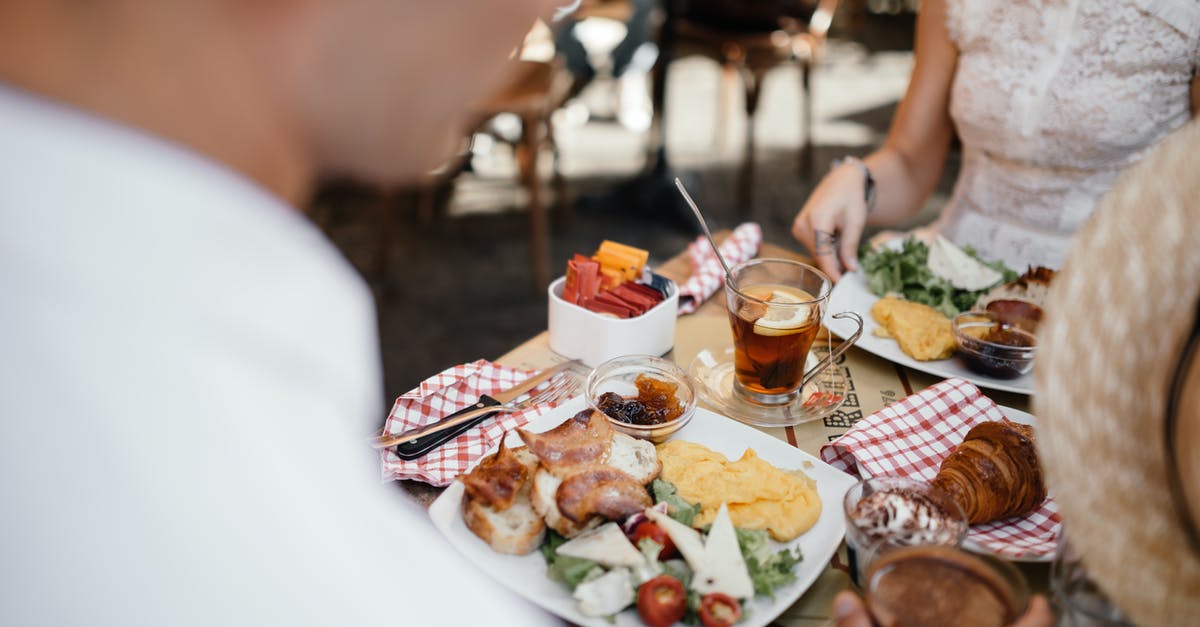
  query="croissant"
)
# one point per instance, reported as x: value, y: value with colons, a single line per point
x: 994, y: 473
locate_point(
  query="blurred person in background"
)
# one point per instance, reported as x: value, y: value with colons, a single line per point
x: 1051, y: 100
x: 189, y: 367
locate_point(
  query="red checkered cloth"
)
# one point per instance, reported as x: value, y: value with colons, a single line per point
x: 707, y: 274
x: 911, y: 437
x: 441, y: 395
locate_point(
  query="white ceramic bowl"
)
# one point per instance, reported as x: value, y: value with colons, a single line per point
x: 577, y: 333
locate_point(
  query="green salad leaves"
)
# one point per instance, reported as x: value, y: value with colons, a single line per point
x: 665, y: 492
x: 768, y: 569
x: 564, y: 568
x: 905, y: 271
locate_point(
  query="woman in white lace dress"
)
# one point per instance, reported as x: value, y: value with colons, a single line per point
x: 1051, y: 100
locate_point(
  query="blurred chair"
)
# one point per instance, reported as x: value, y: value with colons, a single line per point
x: 536, y: 90
x: 748, y: 38
x: 535, y: 86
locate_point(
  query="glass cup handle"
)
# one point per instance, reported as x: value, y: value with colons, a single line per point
x: 837, y: 350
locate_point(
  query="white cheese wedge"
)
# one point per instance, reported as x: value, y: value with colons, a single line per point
x: 606, y: 545
x: 686, y: 539
x: 958, y: 268
x: 724, y: 569
x: 607, y: 594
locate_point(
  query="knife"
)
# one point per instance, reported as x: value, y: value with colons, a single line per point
x: 418, y: 442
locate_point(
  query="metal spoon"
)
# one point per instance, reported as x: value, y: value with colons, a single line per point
x: 704, y: 225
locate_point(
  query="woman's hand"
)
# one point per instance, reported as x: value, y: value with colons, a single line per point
x: 831, y: 223
x: 849, y: 611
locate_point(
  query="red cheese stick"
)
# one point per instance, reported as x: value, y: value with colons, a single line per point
x: 583, y: 280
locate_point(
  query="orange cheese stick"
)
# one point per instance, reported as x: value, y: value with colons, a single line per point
x: 626, y: 260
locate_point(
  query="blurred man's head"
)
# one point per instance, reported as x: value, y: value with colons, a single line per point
x: 284, y: 90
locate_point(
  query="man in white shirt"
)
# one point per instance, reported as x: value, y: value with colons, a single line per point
x: 187, y: 367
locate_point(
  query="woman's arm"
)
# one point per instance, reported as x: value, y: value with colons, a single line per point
x: 905, y: 169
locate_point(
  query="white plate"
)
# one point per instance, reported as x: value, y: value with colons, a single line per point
x: 851, y: 294
x: 526, y: 574
x: 1024, y: 418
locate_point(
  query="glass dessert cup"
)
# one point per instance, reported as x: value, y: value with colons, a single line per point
x: 885, y: 513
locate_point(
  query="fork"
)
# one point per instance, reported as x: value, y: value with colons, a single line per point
x: 562, y: 386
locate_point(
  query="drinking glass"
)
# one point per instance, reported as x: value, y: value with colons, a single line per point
x: 936, y: 586
x: 775, y: 309
x: 1081, y: 603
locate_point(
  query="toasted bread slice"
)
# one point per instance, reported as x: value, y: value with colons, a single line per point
x: 498, y: 478
x: 526, y: 457
x: 516, y: 531
x: 544, y: 497
x: 636, y: 458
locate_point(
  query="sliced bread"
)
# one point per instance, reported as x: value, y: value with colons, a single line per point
x: 636, y: 458
x: 516, y: 531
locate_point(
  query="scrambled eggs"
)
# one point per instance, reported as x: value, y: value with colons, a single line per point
x: 759, y: 495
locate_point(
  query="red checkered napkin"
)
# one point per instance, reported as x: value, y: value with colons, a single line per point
x: 707, y: 274
x: 441, y: 395
x: 911, y: 437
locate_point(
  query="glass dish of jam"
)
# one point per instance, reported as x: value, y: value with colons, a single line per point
x: 991, y: 346
x: 643, y: 396
x: 656, y: 402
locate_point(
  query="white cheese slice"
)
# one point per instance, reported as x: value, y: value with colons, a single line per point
x: 607, y: 594
x: 606, y: 545
x: 724, y: 569
x: 686, y: 539
x: 958, y: 268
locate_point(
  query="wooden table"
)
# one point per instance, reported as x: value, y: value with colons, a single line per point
x: 878, y: 382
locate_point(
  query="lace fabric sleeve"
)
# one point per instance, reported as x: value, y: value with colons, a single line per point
x: 1182, y: 15
x: 954, y: 21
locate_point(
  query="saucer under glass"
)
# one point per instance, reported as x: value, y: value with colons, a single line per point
x: 712, y: 369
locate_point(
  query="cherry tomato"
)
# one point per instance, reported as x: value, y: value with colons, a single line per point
x: 719, y: 610
x: 650, y: 529
x: 661, y: 601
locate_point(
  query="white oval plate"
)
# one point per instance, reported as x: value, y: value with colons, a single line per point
x: 851, y: 294
x: 526, y: 574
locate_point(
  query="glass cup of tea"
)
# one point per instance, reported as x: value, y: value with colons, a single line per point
x: 775, y: 309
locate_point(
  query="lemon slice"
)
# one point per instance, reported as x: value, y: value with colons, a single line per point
x: 786, y: 318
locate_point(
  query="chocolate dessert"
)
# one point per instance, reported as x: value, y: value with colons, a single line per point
x: 905, y: 517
